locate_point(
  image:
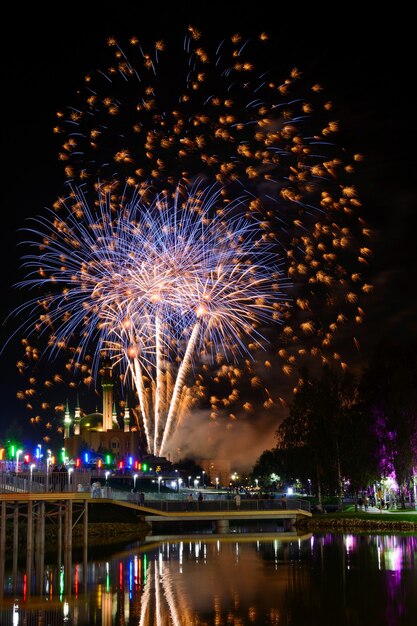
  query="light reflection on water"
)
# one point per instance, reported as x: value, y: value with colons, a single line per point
x: 230, y: 580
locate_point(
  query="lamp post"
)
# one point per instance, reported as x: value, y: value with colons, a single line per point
x: 179, y: 484
x: 203, y: 485
x: 189, y: 482
x: 48, y: 462
x: 18, y: 453
x: 134, y: 481
x: 217, y: 483
x: 70, y: 470
x: 32, y: 465
x: 159, y: 484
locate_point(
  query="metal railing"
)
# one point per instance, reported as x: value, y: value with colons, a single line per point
x: 44, y: 482
x: 80, y: 480
x: 212, y: 504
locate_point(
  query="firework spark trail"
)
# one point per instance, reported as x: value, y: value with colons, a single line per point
x: 179, y: 383
x: 158, y: 386
x: 136, y: 370
x: 150, y: 280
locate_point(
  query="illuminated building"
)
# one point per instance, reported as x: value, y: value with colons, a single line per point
x: 101, y: 432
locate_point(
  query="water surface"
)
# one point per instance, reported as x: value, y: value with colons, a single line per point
x: 233, y: 580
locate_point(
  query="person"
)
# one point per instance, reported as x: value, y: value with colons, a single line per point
x: 96, y: 490
x: 141, y: 498
x: 237, y: 500
x: 380, y: 498
x: 190, y: 501
x: 366, y: 502
x: 55, y: 479
x: 63, y: 478
x: 200, y: 497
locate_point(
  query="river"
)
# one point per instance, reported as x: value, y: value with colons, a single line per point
x: 239, y: 579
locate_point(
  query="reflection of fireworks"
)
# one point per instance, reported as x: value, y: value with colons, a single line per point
x: 144, y: 124
x: 152, y: 287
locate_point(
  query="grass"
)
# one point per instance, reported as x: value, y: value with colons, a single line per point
x: 397, y: 515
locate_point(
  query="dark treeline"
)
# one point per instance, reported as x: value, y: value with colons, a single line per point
x: 345, y: 434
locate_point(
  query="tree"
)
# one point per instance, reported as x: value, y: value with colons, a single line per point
x: 316, y: 426
x: 390, y: 397
x: 269, y: 463
x: 300, y: 434
x: 359, y: 449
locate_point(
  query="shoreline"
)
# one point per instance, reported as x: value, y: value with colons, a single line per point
x: 357, y: 525
x: 116, y: 532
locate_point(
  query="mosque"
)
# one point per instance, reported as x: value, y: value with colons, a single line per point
x: 101, y: 432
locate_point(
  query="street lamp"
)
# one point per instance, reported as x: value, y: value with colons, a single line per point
x: 256, y: 482
x: 159, y: 484
x: 48, y: 462
x: 31, y: 470
x: 179, y: 484
x: 134, y: 481
x: 18, y: 453
x: 203, y: 479
x: 217, y: 482
x: 189, y: 482
x: 107, y: 474
x: 70, y: 470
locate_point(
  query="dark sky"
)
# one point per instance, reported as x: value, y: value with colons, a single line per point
x: 45, y: 57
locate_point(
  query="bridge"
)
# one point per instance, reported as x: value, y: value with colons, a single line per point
x: 27, y: 495
x: 219, y: 512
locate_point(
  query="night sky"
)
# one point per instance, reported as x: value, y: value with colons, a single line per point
x: 362, y: 70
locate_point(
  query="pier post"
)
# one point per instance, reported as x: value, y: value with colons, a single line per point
x: 2, y: 545
x: 85, y: 524
x: 3, y: 529
x: 68, y: 547
x: 59, y: 534
x: 29, y: 545
x: 15, y: 540
x: 222, y: 526
x: 40, y: 548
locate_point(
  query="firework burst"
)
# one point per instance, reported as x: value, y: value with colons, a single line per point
x: 156, y: 115
x: 227, y: 118
x: 151, y: 286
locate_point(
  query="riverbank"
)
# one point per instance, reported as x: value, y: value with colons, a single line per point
x: 358, y: 521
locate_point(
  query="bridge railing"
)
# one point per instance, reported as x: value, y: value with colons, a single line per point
x: 43, y: 482
x: 246, y: 504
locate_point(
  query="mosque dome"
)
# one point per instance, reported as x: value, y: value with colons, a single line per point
x: 94, y: 421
